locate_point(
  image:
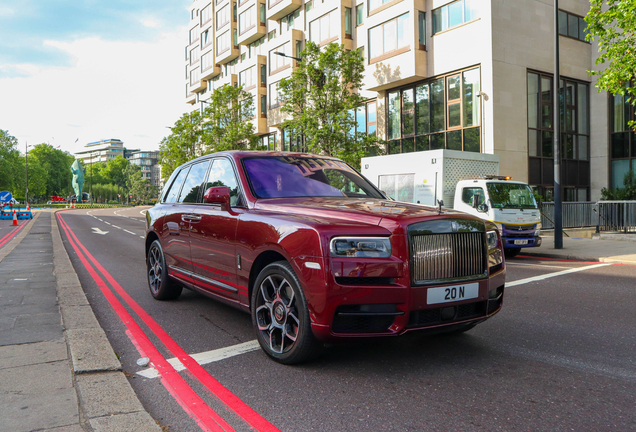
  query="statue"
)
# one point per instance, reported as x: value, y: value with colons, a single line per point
x: 78, y: 179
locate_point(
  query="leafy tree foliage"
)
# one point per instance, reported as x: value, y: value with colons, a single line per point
x: 612, y: 23
x: 182, y: 144
x: 140, y: 189
x: 115, y: 171
x: 9, y: 162
x: 320, y: 99
x: 227, y: 121
x: 56, y: 164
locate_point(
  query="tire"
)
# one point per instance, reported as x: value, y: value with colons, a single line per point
x: 160, y: 284
x: 511, y: 253
x: 280, y: 316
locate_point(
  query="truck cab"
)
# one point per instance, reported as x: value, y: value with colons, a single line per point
x: 509, y: 204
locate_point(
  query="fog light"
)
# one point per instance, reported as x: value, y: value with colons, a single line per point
x: 448, y: 313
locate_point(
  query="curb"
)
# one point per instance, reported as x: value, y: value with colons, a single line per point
x: 577, y: 258
x: 107, y: 401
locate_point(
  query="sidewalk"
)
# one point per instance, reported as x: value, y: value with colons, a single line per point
x: 582, y: 249
x: 58, y: 371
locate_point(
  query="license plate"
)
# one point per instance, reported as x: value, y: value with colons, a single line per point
x: 521, y: 242
x: 452, y: 293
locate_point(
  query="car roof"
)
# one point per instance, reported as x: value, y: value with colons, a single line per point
x: 242, y: 154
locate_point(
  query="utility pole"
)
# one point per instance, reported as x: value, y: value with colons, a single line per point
x: 26, y: 165
x: 558, y: 221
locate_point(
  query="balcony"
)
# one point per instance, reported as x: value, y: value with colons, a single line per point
x: 251, y: 13
x: 276, y: 9
x: 232, y: 50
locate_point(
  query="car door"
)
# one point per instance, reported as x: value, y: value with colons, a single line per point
x: 213, y: 235
x: 174, y: 233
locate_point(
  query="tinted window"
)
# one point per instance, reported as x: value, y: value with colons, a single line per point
x: 173, y: 193
x: 192, y: 186
x: 469, y: 193
x: 222, y: 174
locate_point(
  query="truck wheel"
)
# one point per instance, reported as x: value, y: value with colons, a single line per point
x: 511, y: 253
x: 160, y: 284
x: 280, y: 316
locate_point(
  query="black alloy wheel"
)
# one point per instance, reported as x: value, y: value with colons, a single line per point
x: 160, y: 284
x: 280, y: 316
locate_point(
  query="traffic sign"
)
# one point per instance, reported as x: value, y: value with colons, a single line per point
x: 5, y: 196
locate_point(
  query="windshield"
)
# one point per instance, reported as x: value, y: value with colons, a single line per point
x: 287, y: 176
x: 511, y: 195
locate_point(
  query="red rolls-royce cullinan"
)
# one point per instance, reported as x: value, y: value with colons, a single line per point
x: 315, y: 253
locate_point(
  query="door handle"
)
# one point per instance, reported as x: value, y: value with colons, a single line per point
x: 191, y: 218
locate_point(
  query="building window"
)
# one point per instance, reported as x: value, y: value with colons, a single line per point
x: 277, y: 62
x: 263, y: 74
x: 263, y: 105
x: 574, y: 138
x: 222, y: 16
x: 247, y: 78
x: 421, y: 29
x: 262, y: 13
x: 271, y: 35
x: 194, y: 76
x: 194, y: 35
x: 443, y: 113
x: 207, y: 61
x: 271, y: 142
x: 572, y: 26
x: 247, y: 20
x: 348, y: 23
x: 206, y: 14
x: 287, y: 22
x: 366, y: 119
x: 454, y: 14
x: 374, y: 4
x: 389, y: 37
x: 223, y: 43
x: 293, y: 142
x: 194, y: 55
x: 359, y: 14
x: 273, y: 95
x: 622, y: 139
x: 205, y: 38
x: 325, y: 28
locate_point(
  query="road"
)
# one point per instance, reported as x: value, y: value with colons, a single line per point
x: 561, y: 355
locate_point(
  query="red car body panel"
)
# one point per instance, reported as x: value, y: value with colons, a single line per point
x: 214, y: 251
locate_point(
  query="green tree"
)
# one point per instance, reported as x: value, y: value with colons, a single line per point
x: 182, y: 144
x: 612, y: 23
x: 56, y: 164
x: 140, y: 188
x: 9, y: 162
x: 115, y: 171
x: 227, y: 120
x: 320, y: 99
x: 38, y: 179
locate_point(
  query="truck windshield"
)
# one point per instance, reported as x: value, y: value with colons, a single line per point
x: 289, y: 176
x: 510, y: 195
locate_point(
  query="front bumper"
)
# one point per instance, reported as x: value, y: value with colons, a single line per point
x: 509, y: 242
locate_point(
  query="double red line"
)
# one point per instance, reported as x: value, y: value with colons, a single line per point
x: 12, y: 234
x: 180, y: 390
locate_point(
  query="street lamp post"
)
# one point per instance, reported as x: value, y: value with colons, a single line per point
x: 26, y: 165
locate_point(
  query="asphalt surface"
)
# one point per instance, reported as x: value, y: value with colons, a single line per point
x: 559, y: 356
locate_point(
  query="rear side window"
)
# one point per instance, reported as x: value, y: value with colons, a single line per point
x: 173, y: 193
x: 222, y: 174
x: 192, y: 185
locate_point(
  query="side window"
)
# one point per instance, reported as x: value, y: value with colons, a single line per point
x: 173, y: 193
x: 468, y: 193
x: 192, y: 185
x: 222, y: 174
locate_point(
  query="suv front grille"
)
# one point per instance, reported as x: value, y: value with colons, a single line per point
x: 437, y: 257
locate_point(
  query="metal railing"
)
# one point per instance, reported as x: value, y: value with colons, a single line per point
x: 604, y: 215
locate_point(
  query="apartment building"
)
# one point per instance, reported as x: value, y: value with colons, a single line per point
x: 471, y: 75
x: 147, y: 161
x: 101, y: 151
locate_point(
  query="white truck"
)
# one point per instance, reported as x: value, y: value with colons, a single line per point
x: 464, y: 181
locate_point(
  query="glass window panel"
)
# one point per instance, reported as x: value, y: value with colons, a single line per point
x: 470, y: 90
x: 455, y: 13
x: 582, y: 29
x: 192, y: 185
x: 454, y: 140
x: 361, y: 126
x: 445, y: 18
x: 421, y: 109
x: 359, y: 14
x: 173, y: 193
x: 568, y: 146
x: 582, y: 109
x: 472, y: 139
x: 634, y: 149
x: 408, y: 145
x: 394, y: 115
x: 533, y: 143
x: 389, y: 34
x: 421, y: 143
x: 563, y: 23
x: 547, y: 144
x: 437, y: 105
x: 437, y: 20
x: 546, y: 116
x: 372, y: 130
x: 573, y: 26
x: 314, y: 31
x: 394, y: 147
x: 371, y: 112
x: 403, y: 31
x: 375, y: 42
x: 348, y: 21
x: 620, y: 111
x: 407, y: 112
x: 619, y: 169
x: 533, y: 100
x: 569, y: 119
x: 454, y: 90
x: 584, y: 147
x: 324, y: 28
x: 454, y: 115
x: 222, y: 174
x: 407, y: 99
x: 620, y: 144
x: 421, y: 28
x: 374, y: 4
x: 470, y: 10
x: 546, y: 89
x: 438, y: 141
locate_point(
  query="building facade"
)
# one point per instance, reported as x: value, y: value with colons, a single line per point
x: 471, y: 75
x: 101, y: 151
x: 147, y: 161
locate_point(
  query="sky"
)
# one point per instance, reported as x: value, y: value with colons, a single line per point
x: 79, y: 71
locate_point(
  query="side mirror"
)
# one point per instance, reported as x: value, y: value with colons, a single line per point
x: 218, y: 195
x: 483, y: 208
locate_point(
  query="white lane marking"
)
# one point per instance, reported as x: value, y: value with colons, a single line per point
x: 115, y: 226
x: 98, y: 231
x: 142, y: 236
x: 107, y: 223
x: 130, y: 232
x: 143, y: 212
x: 99, y: 219
x: 535, y: 265
x: 551, y: 275
x: 206, y: 357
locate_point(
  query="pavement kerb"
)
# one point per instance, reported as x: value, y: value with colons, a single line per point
x: 107, y: 400
x: 578, y: 258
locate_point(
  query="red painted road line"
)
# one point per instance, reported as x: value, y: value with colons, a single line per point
x: 230, y: 399
x: 204, y: 416
x: 9, y: 236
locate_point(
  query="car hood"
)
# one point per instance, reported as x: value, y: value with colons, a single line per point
x: 369, y: 211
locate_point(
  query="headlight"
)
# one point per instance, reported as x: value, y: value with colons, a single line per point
x: 492, y: 239
x: 537, y: 233
x: 367, y: 247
